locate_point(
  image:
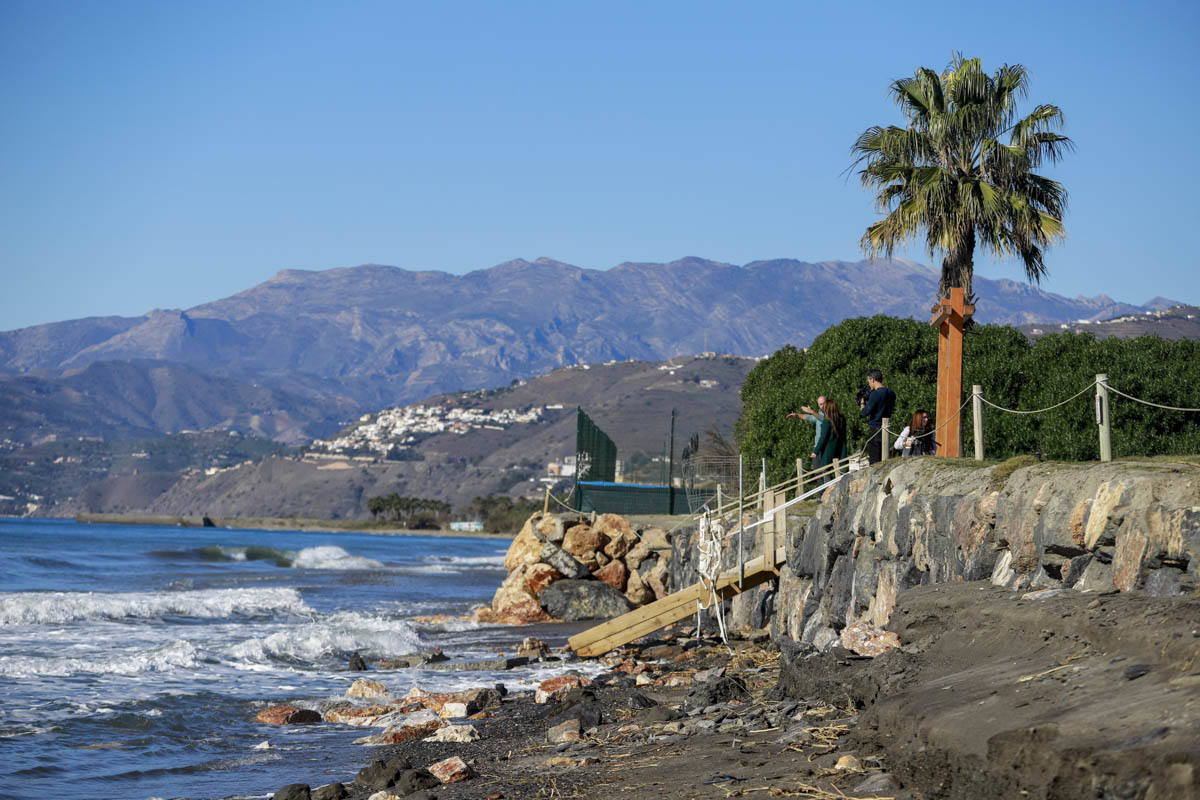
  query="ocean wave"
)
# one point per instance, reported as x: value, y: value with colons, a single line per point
x: 331, y: 638
x: 321, y: 557
x: 57, y: 608
x: 178, y: 654
x: 331, y: 557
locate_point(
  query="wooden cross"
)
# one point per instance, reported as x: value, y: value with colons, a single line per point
x: 949, y: 316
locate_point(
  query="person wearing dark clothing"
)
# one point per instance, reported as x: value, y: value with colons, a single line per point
x: 831, y: 439
x: 880, y: 403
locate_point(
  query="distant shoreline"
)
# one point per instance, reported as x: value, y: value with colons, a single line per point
x: 279, y: 524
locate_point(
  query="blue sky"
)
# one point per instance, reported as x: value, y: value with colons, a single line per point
x: 164, y: 154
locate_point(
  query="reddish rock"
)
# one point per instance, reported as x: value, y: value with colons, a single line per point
x: 565, y: 732
x: 613, y: 526
x: 532, y: 647
x: 618, y: 547
x: 417, y: 726
x: 538, y: 576
x: 550, y: 688
x: 525, y: 548
x: 513, y: 602
x: 581, y: 541
x: 867, y: 640
x: 452, y: 770
x: 614, y: 574
x: 287, y: 715
x: 359, y: 716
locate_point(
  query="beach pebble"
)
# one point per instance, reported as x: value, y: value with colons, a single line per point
x: 551, y: 688
x: 454, y: 733
x: 848, y: 763
x: 288, y: 715
x: 451, y: 770
x: 568, y: 731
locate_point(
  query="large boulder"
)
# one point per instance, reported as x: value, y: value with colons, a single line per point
x: 581, y: 599
x: 614, y: 574
x: 513, y: 603
x: 581, y: 541
x: 562, y: 561
x: 524, y: 549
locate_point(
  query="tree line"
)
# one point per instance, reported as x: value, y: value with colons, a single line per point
x: 414, y: 512
x: 1013, y: 372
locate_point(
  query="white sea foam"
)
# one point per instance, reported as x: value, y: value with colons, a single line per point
x: 332, y: 557
x: 56, y: 608
x: 330, y: 637
x: 178, y: 654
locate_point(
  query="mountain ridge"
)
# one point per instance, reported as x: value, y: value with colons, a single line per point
x: 378, y: 335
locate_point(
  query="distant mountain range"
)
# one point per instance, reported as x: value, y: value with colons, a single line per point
x: 303, y: 352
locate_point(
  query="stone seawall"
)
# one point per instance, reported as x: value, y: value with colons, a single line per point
x: 921, y: 521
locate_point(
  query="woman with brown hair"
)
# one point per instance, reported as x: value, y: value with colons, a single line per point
x: 916, y: 439
x: 831, y: 437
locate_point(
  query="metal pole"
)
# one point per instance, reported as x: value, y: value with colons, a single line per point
x: 977, y: 410
x: 741, y: 525
x: 883, y: 443
x: 1102, y: 417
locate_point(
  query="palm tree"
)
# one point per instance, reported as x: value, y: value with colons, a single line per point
x: 949, y: 175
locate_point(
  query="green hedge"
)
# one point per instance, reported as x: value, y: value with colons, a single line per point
x: 1013, y: 374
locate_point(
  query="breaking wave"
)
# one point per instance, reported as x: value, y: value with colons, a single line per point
x: 57, y: 608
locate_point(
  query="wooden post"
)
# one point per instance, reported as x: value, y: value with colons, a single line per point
x: 1102, y: 417
x: 884, y: 444
x: 799, y: 476
x: 977, y: 413
x: 837, y: 466
x: 949, y: 315
x: 546, y: 505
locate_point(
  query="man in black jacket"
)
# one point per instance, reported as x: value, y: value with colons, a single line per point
x: 880, y: 403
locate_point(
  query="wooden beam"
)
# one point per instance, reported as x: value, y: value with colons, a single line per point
x: 672, y: 608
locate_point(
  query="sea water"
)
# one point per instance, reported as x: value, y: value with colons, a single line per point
x: 133, y: 659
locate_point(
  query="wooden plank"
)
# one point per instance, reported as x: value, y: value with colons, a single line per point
x: 652, y: 624
x: 649, y: 618
x: 684, y: 597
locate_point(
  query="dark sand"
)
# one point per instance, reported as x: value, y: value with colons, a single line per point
x: 991, y: 696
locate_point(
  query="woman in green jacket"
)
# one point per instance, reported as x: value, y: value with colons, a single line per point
x: 831, y: 437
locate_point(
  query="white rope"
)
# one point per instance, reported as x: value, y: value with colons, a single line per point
x: 1040, y: 410
x: 709, y: 568
x: 1148, y: 403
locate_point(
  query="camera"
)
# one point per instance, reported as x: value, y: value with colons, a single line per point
x: 863, y: 393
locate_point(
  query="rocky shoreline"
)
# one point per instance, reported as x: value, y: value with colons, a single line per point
x: 990, y: 693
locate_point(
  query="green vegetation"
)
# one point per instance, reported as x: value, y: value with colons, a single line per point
x: 1013, y: 373
x: 949, y: 175
x: 501, y: 513
x: 419, y: 513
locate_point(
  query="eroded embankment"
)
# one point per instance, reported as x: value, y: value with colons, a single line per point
x: 1047, y: 617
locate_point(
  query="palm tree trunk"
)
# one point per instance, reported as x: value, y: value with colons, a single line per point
x: 958, y: 267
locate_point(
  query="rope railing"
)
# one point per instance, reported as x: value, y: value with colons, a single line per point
x: 1148, y: 403
x: 1039, y: 410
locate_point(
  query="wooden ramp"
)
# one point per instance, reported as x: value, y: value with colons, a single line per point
x: 674, y: 607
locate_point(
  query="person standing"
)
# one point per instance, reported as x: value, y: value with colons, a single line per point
x: 831, y: 439
x: 879, y: 403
